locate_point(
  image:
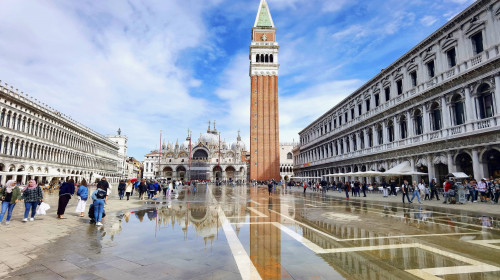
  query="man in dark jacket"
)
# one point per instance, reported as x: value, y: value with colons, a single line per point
x: 104, y: 185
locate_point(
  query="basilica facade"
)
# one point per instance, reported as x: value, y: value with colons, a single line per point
x: 209, y: 157
x: 435, y: 109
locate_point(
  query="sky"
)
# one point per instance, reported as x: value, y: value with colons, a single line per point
x: 146, y: 66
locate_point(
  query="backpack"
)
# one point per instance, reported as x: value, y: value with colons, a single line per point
x: 101, y: 194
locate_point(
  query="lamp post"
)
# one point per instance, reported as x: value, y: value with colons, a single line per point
x: 189, y: 170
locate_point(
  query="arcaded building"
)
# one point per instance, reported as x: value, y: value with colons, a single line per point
x: 38, y: 142
x: 435, y: 109
x: 264, y: 113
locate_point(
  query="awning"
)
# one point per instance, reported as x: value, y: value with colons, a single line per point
x: 458, y: 175
x: 402, y: 169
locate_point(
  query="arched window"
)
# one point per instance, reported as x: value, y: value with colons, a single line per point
x: 271, y: 58
x: 380, y: 135
x: 257, y: 58
x: 403, y: 128
x: 419, y: 129
x: 436, y: 117
x: 7, y: 124
x: 390, y: 131
x: 457, y: 106
x: 261, y: 58
x: 289, y: 156
x: 2, y: 118
x: 267, y: 58
x: 485, y: 102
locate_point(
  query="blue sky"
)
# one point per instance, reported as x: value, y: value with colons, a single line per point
x: 170, y: 65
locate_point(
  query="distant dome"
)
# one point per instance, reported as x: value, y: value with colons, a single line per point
x: 185, y: 145
x: 209, y: 138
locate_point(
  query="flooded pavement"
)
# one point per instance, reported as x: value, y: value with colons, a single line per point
x: 243, y: 233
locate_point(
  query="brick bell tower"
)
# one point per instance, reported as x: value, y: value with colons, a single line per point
x: 264, y: 113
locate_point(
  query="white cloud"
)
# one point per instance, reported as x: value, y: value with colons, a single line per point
x: 428, y: 20
x: 334, y: 6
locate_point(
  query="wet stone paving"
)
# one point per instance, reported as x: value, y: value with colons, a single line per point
x: 243, y: 233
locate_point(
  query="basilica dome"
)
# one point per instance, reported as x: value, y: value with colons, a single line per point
x: 209, y: 139
x: 185, y: 145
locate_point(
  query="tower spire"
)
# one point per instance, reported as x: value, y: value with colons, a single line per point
x: 263, y: 18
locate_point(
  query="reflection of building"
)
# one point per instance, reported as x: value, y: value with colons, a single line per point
x: 211, y: 158
x: 286, y: 160
x: 436, y: 109
x: 38, y: 142
x: 264, y: 121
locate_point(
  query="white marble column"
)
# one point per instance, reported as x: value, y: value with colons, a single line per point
x: 367, y: 138
x: 344, y: 144
x: 409, y: 122
x: 397, y: 129
x: 497, y: 95
x: 478, y: 172
x: 425, y: 116
x: 384, y: 133
x: 351, y: 143
x: 430, y: 167
x: 358, y: 140
x: 469, y: 105
x: 451, y: 163
x: 446, y: 114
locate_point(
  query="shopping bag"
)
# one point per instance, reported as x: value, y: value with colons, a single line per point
x: 42, y: 208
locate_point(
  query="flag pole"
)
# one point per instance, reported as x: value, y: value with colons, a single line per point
x: 159, y: 155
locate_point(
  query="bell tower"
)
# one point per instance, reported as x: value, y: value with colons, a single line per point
x: 264, y: 113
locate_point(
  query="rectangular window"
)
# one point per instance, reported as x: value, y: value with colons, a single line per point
x: 377, y: 100
x: 413, y: 77
x: 367, y: 102
x: 399, y: 85
x: 346, y: 117
x: 340, y: 120
x: 335, y: 123
x: 360, y: 109
x: 452, y: 57
x: 430, y: 69
x: 418, y: 125
x: 387, y: 91
x: 352, y: 114
x: 477, y: 43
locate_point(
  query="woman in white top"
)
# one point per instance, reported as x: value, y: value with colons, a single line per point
x: 128, y: 189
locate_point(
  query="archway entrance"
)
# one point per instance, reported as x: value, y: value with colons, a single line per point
x: 492, y: 160
x: 181, y: 173
x: 464, y: 163
x: 217, y: 173
x: 441, y: 172
x: 230, y: 173
x: 167, y: 173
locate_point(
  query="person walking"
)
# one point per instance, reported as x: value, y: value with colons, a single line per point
x: 347, y: 188
x: 99, y: 197
x: 433, y: 186
x: 405, y: 188
x: 384, y: 188
x: 143, y: 187
x: 416, y: 192
x: 83, y: 194
x: 304, y: 185
x: 32, y: 195
x: 270, y: 187
x: 128, y: 189
x: 363, y: 188
x: 10, y: 195
x: 65, y: 192
x: 121, y: 189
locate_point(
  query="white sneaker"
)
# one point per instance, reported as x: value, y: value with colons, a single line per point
x: 98, y: 224
x: 7, y: 223
x: 25, y: 219
x: 32, y: 219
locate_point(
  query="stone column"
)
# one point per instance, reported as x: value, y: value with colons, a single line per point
x: 351, y: 143
x: 397, y: 130
x: 478, y: 171
x: 384, y: 132
x: 497, y: 95
x: 372, y: 100
x: 409, y: 123
x: 469, y: 105
x: 446, y: 115
x: 425, y: 116
x: 451, y: 163
x: 358, y: 140
x: 367, y: 138
x: 412, y: 165
x: 345, y: 145
x: 430, y: 167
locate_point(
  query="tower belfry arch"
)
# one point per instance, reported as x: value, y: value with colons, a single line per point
x: 264, y: 114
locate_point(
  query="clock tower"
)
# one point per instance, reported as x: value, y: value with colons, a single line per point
x: 264, y: 113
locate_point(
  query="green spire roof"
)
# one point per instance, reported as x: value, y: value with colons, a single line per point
x: 264, y: 18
